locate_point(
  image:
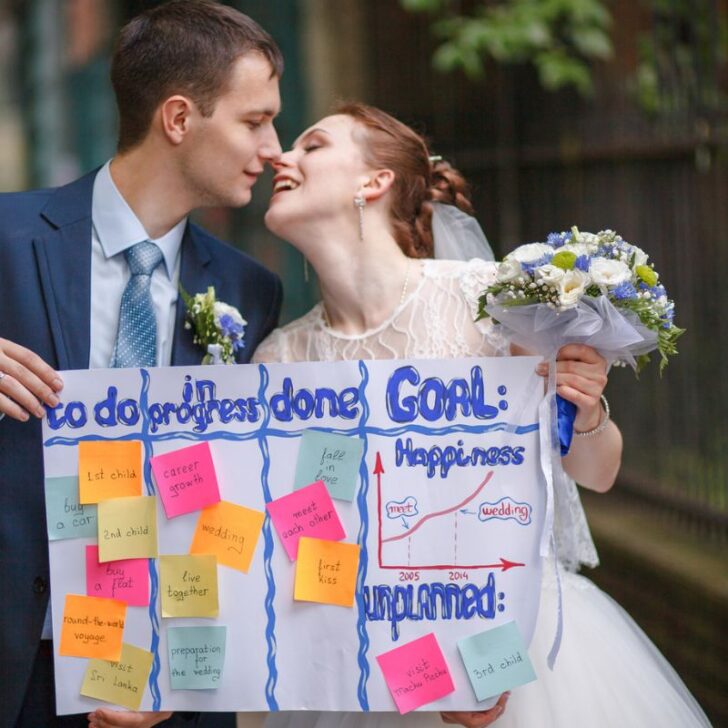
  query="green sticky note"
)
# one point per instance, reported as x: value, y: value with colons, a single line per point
x: 66, y: 517
x: 334, y: 459
x: 496, y: 660
x: 196, y: 657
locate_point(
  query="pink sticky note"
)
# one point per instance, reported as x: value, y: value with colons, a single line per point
x: 126, y: 580
x: 186, y: 479
x: 416, y: 673
x: 305, y: 512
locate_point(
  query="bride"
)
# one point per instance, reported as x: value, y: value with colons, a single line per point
x: 356, y: 195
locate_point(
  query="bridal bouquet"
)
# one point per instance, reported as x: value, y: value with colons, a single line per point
x: 578, y: 287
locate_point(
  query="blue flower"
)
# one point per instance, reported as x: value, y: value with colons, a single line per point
x: 558, y: 239
x: 582, y: 263
x: 624, y: 291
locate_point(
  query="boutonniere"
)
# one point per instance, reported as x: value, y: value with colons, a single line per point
x: 217, y: 327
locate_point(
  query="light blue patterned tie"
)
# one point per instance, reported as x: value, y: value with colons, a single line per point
x: 136, y: 339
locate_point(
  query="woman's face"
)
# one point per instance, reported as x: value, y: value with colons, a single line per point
x: 318, y: 178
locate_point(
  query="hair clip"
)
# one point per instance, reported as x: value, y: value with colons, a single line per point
x: 435, y: 158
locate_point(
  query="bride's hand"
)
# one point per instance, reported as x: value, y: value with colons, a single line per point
x: 581, y: 375
x: 477, y: 719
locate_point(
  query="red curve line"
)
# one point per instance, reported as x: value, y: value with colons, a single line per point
x: 441, y: 513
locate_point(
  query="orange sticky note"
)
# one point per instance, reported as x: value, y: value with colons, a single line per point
x: 230, y: 532
x: 109, y: 469
x: 326, y: 571
x: 92, y: 627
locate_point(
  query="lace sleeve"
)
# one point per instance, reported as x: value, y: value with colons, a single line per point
x: 477, y: 275
x: 270, y: 350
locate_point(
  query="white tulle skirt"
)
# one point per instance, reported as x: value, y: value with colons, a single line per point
x: 607, y: 675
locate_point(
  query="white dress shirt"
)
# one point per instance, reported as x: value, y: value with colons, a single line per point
x: 116, y: 228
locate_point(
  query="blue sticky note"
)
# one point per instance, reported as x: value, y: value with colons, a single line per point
x: 334, y: 459
x: 196, y: 657
x: 65, y: 516
x: 496, y: 660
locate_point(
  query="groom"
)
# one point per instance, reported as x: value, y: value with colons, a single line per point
x: 89, y: 275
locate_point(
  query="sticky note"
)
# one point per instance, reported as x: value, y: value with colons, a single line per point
x: 335, y: 459
x: 128, y: 528
x: 66, y: 516
x: 126, y: 580
x: 306, y: 512
x: 122, y: 682
x: 188, y: 584
x: 416, y: 673
x: 92, y: 627
x: 196, y: 657
x: 109, y: 469
x: 230, y: 532
x: 496, y: 660
x: 326, y: 571
x: 186, y: 479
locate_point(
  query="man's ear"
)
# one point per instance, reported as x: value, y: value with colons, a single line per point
x: 377, y: 184
x: 175, y: 116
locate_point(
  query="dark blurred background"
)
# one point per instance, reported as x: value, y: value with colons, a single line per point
x: 599, y: 113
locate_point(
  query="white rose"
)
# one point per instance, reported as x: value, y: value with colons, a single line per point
x: 550, y: 274
x: 508, y: 270
x: 606, y: 272
x: 530, y: 253
x: 571, y: 287
x: 579, y: 249
x: 589, y: 239
x: 223, y: 308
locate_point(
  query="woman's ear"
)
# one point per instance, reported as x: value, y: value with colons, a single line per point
x: 377, y: 184
x: 175, y: 116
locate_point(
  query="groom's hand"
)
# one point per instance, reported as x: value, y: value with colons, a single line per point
x: 26, y: 382
x: 479, y: 718
x: 102, y: 718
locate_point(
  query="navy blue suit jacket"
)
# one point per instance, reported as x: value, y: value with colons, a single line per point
x: 45, y: 289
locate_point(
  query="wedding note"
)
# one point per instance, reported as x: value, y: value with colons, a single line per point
x: 305, y: 512
x: 127, y: 528
x: 230, y: 532
x: 416, y: 673
x: 196, y: 657
x: 188, y: 584
x: 120, y: 682
x: 326, y: 572
x: 334, y: 459
x: 126, y: 580
x: 186, y: 479
x: 109, y: 469
x: 92, y: 627
x: 496, y: 660
x: 66, y: 516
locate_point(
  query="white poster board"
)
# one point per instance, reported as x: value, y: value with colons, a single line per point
x: 444, y: 546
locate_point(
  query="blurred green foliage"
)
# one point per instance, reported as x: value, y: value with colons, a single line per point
x: 559, y: 37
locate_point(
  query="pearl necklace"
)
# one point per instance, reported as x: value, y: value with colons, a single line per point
x: 327, y: 320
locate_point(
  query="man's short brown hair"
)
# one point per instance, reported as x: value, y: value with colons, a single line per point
x: 184, y: 46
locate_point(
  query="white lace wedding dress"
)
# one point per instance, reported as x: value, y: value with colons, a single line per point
x: 607, y: 674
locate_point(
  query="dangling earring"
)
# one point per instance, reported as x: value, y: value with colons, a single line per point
x: 305, y: 269
x: 360, y: 203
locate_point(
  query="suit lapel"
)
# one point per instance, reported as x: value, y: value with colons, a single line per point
x: 196, y: 275
x: 63, y: 257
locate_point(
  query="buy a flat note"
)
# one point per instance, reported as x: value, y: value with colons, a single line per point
x: 126, y: 580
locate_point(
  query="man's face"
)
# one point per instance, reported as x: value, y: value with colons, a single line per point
x: 223, y: 154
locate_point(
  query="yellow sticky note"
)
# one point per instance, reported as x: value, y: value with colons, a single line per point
x: 122, y: 682
x: 127, y: 528
x: 326, y: 571
x: 111, y: 469
x: 188, y: 585
x: 230, y: 532
x: 92, y: 627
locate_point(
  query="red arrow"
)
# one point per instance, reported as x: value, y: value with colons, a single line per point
x: 378, y: 467
x: 504, y: 565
